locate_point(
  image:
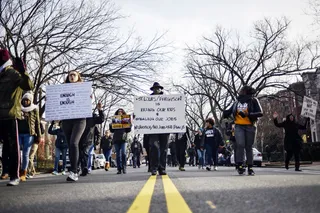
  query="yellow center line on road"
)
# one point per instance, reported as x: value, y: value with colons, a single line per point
x: 211, y: 205
x: 143, y: 200
x: 175, y: 201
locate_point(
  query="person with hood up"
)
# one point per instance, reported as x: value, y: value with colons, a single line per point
x: 137, y: 151
x: 245, y: 111
x: 29, y: 130
x: 292, y: 139
x: 13, y: 81
x: 61, y: 147
x: 158, y: 143
x: 211, y: 140
x: 120, y: 140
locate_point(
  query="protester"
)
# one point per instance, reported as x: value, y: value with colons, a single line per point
x: 90, y: 134
x: 232, y: 138
x: 29, y: 130
x: 96, y: 142
x: 211, y: 140
x: 181, y: 146
x: 73, y: 130
x: 200, y: 148
x: 173, y: 152
x: 147, y: 148
x: 136, y: 150
x: 268, y: 151
x: 106, y: 146
x: 158, y: 143
x: 61, y: 147
x: 12, y: 84
x: 120, y: 139
x: 192, y: 154
x: 292, y: 139
x: 245, y: 111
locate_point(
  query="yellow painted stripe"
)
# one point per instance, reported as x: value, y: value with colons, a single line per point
x: 143, y: 200
x: 211, y: 205
x: 175, y: 201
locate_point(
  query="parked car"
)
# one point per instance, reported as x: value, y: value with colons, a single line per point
x: 99, y: 161
x: 257, y: 158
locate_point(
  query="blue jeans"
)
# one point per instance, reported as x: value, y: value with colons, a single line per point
x: 90, y: 157
x: 25, y: 141
x: 121, y: 155
x: 57, y: 158
x: 107, y: 154
x: 201, y: 156
x: 212, y: 154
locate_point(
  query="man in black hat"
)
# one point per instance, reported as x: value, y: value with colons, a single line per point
x: 158, y: 143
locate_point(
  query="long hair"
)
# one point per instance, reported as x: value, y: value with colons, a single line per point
x: 78, y: 74
x: 117, y: 112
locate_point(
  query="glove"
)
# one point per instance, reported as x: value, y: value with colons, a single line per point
x: 242, y: 114
x: 19, y: 65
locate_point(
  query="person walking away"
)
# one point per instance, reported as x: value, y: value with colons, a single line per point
x: 106, y: 146
x: 246, y: 110
x: 61, y: 148
x: 211, y: 140
x: 292, y: 139
x: 13, y: 81
x: 192, y: 154
x: 87, y: 140
x: 120, y: 139
x: 200, y: 148
x: 136, y: 150
x: 29, y: 130
x: 158, y: 143
x: 173, y: 151
x: 147, y: 148
x: 181, y: 146
x: 73, y: 130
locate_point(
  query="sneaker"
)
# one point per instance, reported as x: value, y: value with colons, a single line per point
x: 119, y: 172
x: 5, y: 176
x: 241, y: 170
x: 162, y: 172
x: 153, y: 173
x: 29, y: 176
x: 55, y: 173
x: 208, y: 168
x: 182, y: 169
x: 14, y: 182
x: 64, y: 173
x: 89, y: 171
x: 215, y: 168
x: 84, y: 172
x: 251, y: 172
x: 73, y: 177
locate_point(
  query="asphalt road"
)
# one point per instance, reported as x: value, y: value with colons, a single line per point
x: 271, y: 190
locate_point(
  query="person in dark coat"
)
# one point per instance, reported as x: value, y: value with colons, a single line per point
x: 292, y: 139
x: 158, y: 143
x: 181, y: 146
x: 147, y: 148
x: 90, y: 134
x: 268, y: 151
x: 137, y: 151
x: 200, y: 149
x: 173, y: 152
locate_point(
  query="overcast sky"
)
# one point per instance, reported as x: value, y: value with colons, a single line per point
x: 188, y: 20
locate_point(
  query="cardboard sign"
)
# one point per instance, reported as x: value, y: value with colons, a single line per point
x: 158, y: 114
x: 121, y: 121
x: 68, y: 101
x: 309, y: 108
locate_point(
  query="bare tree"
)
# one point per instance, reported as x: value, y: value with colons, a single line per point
x: 265, y: 63
x: 57, y: 36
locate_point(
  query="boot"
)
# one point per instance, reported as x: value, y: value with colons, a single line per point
x: 298, y: 167
x: 107, y: 166
x: 5, y: 176
x: 23, y: 176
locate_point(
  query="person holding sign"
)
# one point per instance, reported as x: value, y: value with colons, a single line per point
x: 73, y: 130
x: 120, y: 139
x: 13, y: 81
x: 158, y: 143
x: 292, y: 140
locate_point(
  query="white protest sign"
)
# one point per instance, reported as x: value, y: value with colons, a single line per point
x: 158, y: 114
x: 309, y: 108
x: 68, y: 101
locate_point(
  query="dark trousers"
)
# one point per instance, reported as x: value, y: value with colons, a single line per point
x: 5, y: 159
x: 212, y: 154
x: 136, y: 159
x: 181, y: 147
x: 11, y: 148
x: 296, y: 153
x: 84, y: 148
x: 73, y: 130
x: 191, y: 160
x: 158, y: 144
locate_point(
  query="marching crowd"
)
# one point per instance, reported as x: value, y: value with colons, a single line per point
x: 21, y: 129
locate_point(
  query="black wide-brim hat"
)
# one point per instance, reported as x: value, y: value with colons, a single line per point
x: 156, y: 85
